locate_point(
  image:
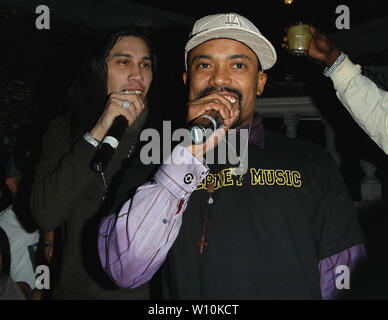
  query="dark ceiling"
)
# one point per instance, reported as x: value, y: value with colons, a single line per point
x: 366, y: 40
x: 274, y: 13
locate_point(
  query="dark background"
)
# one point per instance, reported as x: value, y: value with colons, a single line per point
x: 37, y: 66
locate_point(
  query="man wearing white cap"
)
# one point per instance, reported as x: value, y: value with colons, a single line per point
x: 277, y: 231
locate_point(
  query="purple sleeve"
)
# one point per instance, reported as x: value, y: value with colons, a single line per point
x: 134, y: 243
x: 336, y: 270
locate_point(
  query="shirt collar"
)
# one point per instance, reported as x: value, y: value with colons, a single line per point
x: 256, y: 135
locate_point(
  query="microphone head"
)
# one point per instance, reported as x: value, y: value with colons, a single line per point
x: 198, y: 134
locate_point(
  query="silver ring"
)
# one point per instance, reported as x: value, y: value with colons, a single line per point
x: 126, y: 104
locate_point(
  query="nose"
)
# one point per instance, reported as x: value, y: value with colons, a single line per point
x: 220, y: 77
x: 136, y: 74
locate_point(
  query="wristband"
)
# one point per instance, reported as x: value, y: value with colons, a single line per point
x: 328, y: 71
x: 90, y: 139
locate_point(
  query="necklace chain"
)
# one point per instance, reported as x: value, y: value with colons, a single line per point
x: 245, y: 151
x: 130, y: 151
x: 202, y: 243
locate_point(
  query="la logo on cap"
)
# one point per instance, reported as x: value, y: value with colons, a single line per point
x: 232, y: 20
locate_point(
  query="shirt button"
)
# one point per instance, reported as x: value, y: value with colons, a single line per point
x: 188, y: 178
x: 164, y: 221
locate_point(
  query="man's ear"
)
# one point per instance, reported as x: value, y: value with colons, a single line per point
x: 184, y: 76
x: 261, y: 81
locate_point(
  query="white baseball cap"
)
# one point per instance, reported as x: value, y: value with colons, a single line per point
x: 236, y: 27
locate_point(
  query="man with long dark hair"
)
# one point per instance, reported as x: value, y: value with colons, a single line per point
x: 114, y: 80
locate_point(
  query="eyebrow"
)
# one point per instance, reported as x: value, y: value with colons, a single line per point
x: 127, y: 55
x: 201, y: 56
x: 240, y: 56
x: 231, y: 57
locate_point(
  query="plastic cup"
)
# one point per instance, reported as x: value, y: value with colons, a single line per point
x: 299, y: 38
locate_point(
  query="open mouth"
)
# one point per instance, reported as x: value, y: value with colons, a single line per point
x: 231, y: 94
x: 127, y: 91
x: 230, y: 98
x: 136, y: 91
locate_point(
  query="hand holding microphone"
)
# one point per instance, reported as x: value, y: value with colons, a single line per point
x: 120, y: 112
x: 210, y: 113
x: 203, y: 127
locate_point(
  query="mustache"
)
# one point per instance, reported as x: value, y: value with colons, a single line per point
x: 209, y: 90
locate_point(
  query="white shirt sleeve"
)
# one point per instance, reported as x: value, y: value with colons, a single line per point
x: 367, y: 104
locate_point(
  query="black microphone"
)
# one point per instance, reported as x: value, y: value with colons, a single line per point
x: 109, y: 144
x: 204, y: 126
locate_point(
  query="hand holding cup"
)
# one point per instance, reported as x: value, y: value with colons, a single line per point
x: 320, y: 48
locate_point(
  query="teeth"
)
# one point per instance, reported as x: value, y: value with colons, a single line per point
x: 127, y: 91
x: 231, y: 99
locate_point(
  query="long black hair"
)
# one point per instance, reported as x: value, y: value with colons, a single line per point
x: 88, y: 94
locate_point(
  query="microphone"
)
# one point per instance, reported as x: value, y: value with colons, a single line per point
x: 204, y: 126
x: 109, y: 144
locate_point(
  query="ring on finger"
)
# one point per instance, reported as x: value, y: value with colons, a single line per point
x: 126, y: 104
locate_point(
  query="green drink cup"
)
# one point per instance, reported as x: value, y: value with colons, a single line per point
x: 299, y: 38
